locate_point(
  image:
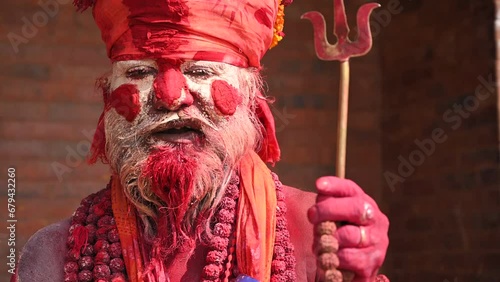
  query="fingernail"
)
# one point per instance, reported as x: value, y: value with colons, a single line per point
x: 322, y: 183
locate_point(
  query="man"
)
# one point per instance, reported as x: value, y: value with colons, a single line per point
x: 187, y: 133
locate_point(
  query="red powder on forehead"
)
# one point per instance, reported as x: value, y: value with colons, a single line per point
x: 226, y: 97
x: 125, y: 100
x: 209, y: 56
x: 169, y: 83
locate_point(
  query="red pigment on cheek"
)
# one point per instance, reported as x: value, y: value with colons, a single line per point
x: 226, y: 97
x: 169, y: 83
x: 125, y: 100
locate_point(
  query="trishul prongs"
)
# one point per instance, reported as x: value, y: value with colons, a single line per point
x: 340, y: 51
x: 344, y: 48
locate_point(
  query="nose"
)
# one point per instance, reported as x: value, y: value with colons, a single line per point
x: 171, y: 90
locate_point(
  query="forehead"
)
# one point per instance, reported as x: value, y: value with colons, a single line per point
x: 181, y: 64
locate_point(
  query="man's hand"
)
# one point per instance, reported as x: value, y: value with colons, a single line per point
x: 362, y: 236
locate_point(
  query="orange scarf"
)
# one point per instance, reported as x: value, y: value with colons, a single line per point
x: 126, y: 222
x: 255, y: 224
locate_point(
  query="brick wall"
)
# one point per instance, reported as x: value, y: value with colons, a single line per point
x: 424, y: 61
x: 48, y: 105
x: 445, y: 215
x: 307, y: 91
x: 49, y: 109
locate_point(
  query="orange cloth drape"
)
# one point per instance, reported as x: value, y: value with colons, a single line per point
x: 256, y: 221
x: 126, y: 222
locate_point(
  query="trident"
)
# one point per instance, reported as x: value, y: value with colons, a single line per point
x: 341, y: 51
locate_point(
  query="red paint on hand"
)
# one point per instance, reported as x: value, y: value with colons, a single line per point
x: 342, y: 200
x: 226, y: 97
x: 125, y: 100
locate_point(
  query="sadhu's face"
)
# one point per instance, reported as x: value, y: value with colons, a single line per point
x: 178, y: 99
x: 175, y: 132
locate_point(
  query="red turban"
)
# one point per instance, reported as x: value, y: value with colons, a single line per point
x: 237, y: 32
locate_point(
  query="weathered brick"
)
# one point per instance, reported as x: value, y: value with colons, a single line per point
x: 423, y: 62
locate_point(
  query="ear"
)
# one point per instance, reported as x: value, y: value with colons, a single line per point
x: 98, y: 148
x: 270, y: 151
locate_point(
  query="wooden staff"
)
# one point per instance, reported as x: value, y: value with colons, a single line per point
x: 326, y: 245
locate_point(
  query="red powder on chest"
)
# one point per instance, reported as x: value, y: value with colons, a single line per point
x: 226, y: 97
x: 125, y: 100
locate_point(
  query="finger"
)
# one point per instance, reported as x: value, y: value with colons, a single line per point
x: 363, y: 262
x: 337, y: 187
x: 351, y: 209
x: 351, y: 236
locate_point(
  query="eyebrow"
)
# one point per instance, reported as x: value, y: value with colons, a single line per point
x: 130, y: 63
x: 215, y: 65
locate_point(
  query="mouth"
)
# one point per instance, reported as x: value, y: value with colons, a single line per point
x: 179, y: 131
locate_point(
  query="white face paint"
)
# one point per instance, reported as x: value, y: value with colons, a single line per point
x: 212, y: 143
x: 126, y: 72
x: 193, y: 80
x: 199, y: 76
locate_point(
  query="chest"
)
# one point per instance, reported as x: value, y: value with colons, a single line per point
x: 185, y: 268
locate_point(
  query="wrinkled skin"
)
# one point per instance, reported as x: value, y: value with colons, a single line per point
x: 337, y: 200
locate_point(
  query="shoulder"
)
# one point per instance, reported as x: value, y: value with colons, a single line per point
x: 301, y: 230
x: 296, y: 195
x: 42, y: 258
x: 298, y: 202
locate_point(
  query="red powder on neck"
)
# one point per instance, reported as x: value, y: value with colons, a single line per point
x: 169, y: 83
x: 226, y: 97
x: 125, y: 100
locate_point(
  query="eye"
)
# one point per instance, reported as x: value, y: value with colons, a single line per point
x: 140, y: 72
x: 199, y: 72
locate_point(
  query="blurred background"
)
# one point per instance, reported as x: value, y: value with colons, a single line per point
x: 423, y: 135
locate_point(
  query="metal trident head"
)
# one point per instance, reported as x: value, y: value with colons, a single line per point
x: 344, y: 48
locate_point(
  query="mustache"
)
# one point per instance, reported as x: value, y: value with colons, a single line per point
x: 185, y: 118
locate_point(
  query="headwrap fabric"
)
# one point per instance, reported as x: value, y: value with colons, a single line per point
x: 237, y: 32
